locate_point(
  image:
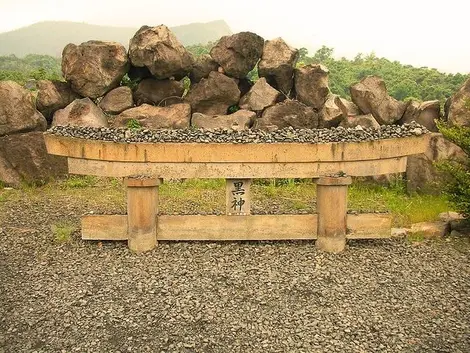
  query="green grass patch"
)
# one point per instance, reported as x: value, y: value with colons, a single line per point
x: 406, y: 209
x: 80, y: 181
x: 62, y: 231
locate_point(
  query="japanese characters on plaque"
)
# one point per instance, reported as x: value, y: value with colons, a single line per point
x: 238, y: 196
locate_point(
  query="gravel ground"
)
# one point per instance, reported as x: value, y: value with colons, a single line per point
x: 378, y: 296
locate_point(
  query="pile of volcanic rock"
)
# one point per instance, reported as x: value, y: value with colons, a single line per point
x: 171, y: 89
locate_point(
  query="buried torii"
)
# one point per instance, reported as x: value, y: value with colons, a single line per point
x: 145, y: 165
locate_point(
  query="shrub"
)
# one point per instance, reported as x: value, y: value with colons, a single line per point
x: 457, y: 172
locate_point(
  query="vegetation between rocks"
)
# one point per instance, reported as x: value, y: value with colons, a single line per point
x: 457, y: 172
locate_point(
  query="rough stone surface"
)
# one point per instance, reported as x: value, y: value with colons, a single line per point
x: 81, y: 112
x: 214, y: 95
x: 158, y: 49
x: 238, y: 53
x: 371, y: 97
x: 288, y: 113
x: 347, y: 108
x: 421, y: 173
x: 117, y: 100
x: 18, y: 111
x: 95, y: 67
x: 240, y: 120
x: 450, y: 216
x: 52, y: 96
x: 176, y: 116
x: 23, y: 158
x: 330, y: 114
x: 311, y: 85
x: 260, y: 96
x: 153, y: 91
x: 424, y: 113
x: 202, y: 67
x: 430, y: 229
x: 225, y: 135
x: 277, y: 64
x: 367, y: 121
x: 459, y: 106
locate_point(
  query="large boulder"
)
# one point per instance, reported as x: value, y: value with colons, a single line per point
x: 238, y: 53
x: 459, y: 106
x: 240, y: 120
x: 424, y: 113
x: 370, y: 95
x: 158, y: 49
x: 81, y: 112
x: 176, y: 116
x: 311, y: 85
x: 153, y: 91
x: 23, y: 158
x: 202, y: 67
x: 330, y: 114
x: 277, y: 64
x: 117, y: 100
x: 353, y: 121
x: 52, y: 96
x: 94, y: 67
x: 18, y: 111
x: 214, y: 95
x: 260, y: 96
x: 288, y: 113
x: 347, y: 108
x: 421, y: 173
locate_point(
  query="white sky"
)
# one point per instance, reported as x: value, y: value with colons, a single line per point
x: 418, y: 32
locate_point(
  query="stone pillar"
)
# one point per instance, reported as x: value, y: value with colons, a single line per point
x: 332, y: 203
x: 142, y: 207
x: 237, y: 198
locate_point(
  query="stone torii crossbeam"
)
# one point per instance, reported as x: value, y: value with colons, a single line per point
x: 144, y: 166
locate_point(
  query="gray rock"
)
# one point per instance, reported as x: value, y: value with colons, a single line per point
x: 238, y: 53
x: 18, y: 111
x: 367, y: 121
x: 424, y: 113
x: 202, y: 67
x: 347, y: 108
x: 158, y: 49
x: 421, y: 172
x: 277, y: 64
x: 459, y: 106
x: 176, y: 116
x: 52, y: 96
x: 152, y: 91
x: 289, y: 113
x: 330, y: 114
x: 81, y: 112
x: 214, y: 95
x: 23, y: 158
x: 371, y: 97
x: 260, y: 96
x: 95, y: 67
x: 240, y: 120
x: 117, y: 100
x: 311, y: 85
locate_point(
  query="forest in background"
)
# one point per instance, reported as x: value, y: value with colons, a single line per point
x: 403, y: 82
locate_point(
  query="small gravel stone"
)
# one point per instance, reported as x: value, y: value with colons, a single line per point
x: 286, y: 135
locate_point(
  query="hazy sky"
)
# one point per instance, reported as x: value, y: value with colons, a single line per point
x: 422, y: 33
